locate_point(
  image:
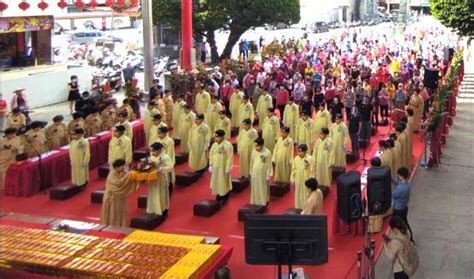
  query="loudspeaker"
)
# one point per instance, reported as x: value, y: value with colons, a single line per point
x: 379, y: 190
x: 349, y: 204
x: 430, y: 80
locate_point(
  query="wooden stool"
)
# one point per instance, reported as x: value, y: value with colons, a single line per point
x: 250, y: 209
x: 279, y: 189
x: 177, y: 142
x: 206, y: 208
x: 98, y: 196
x: 186, y: 178
x: 103, y: 170
x: 64, y: 192
x: 141, y: 153
x: 234, y: 145
x: 352, y: 157
x: 234, y: 132
x: 142, y: 201
x: 240, y: 184
x: 181, y: 158
x: 146, y: 221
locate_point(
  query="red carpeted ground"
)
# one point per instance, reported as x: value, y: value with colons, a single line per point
x: 342, y: 246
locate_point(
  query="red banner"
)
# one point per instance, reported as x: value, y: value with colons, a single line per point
x: 26, y: 23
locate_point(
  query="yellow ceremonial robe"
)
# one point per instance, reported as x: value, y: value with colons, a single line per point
x: 16, y: 122
x: 115, y: 202
x: 314, y: 204
x: 75, y: 124
x: 260, y: 170
x: 221, y: 161
x: 94, y: 124
x: 409, y: 135
x: 198, y: 142
x: 56, y: 135
x: 212, y: 114
x: 9, y: 148
x: 234, y: 107
x: 185, y: 125
x: 282, y: 157
x: 395, y: 158
x: 224, y: 125
x: 301, y: 170
x: 246, y: 111
x: 178, y: 111
x: 417, y: 104
x: 386, y: 158
x: 148, y: 122
x: 158, y: 198
x: 128, y: 129
x: 402, y: 139
x: 290, y: 118
x: 245, y: 146
x: 168, y: 144
x: 264, y: 102
x: 109, y: 118
x: 153, y: 132
x: 203, y: 100
x: 169, y: 110
x: 161, y: 107
x: 79, y: 154
x: 322, y: 158
x: 339, y: 137
x: 120, y: 148
x: 36, y: 142
x: 304, y: 132
x: 322, y: 120
x: 270, y: 132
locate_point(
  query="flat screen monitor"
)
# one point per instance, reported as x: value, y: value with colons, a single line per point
x: 286, y: 239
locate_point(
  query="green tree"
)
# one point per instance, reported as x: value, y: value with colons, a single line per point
x: 455, y: 14
x: 211, y: 15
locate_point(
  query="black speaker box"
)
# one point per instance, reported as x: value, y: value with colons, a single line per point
x: 349, y: 205
x: 379, y: 190
x: 430, y: 80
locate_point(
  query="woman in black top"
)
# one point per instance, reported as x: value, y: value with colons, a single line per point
x: 336, y: 108
x: 73, y: 92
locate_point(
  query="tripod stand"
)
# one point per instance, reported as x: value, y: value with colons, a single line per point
x: 369, y: 250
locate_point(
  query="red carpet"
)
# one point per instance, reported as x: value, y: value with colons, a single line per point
x: 342, y: 246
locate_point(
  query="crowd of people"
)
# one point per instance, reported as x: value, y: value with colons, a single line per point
x: 317, y: 96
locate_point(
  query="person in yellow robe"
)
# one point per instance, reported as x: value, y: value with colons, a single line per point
x: 322, y: 120
x: 304, y: 130
x: 234, y: 107
x: 302, y: 169
x: 246, y: 110
x: 118, y: 187
x: 418, y: 105
x: 16, y: 119
x: 198, y: 142
x: 56, y: 133
x: 76, y: 122
x: 10, y: 146
x: 386, y: 157
x: 291, y: 117
x: 158, y: 198
x: 270, y: 129
x: 168, y: 100
x: 178, y: 111
x: 156, y: 123
x: 402, y: 140
x: 245, y: 146
x: 160, y: 105
x: 79, y: 154
x: 223, y: 123
x: 130, y: 116
x: 264, y: 103
x: 120, y: 146
x: 220, y: 165
x: 109, y: 116
x: 168, y: 145
x: 283, y: 156
x: 188, y: 118
x: 122, y: 120
x: 314, y: 203
x: 35, y: 140
x: 148, y: 120
x: 212, y: 113
x: 203, y: 100
x: 94, y: 123
x: 322, y: 158
x: 260, y: 173
x: 395, y: 150
x: 409, y: 135
x: 339, y: 136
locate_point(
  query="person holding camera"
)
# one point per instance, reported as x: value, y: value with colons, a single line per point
x: 394, y: 246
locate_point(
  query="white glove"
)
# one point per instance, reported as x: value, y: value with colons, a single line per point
x: 210, y: 169
x: 267, y: 178
x: 227, y: 171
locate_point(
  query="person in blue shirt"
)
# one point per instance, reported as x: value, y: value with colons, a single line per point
x: 401, y: 196
x: 317, y: 77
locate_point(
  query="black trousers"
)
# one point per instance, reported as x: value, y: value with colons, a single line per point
x: 384, y: 111
x: 404, y: 215
x: 400, y: 275
x: 281, y: 108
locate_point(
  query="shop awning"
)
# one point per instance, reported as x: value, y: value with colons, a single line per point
x: 25, y: 23
x: 134, y: 11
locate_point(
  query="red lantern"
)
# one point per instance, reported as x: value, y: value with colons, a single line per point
x: 3, y: 6
x: 42, y: 5
x: 109, y: 3
x: 134, y: 2
x: 93, y: 4
x: 79, y: 4
x: 120, y: 2
x: 24, y: 6
x: 62, y: 4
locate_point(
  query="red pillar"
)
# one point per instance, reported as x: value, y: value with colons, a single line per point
x: 20, y: 42
x: 186, y: 33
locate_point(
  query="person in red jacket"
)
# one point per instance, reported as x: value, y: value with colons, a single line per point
x: 282, y: 96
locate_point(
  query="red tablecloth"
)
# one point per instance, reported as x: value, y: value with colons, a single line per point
x: 26, y: 179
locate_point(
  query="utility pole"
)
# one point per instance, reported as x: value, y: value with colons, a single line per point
x: 148, y: 44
